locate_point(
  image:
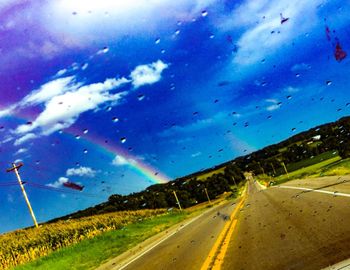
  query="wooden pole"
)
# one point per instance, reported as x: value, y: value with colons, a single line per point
x: 15, y: 169
x: 206, y: 192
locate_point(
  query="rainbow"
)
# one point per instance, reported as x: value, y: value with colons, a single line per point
x: 139, y: 167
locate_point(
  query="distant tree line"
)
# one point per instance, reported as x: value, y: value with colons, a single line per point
x: 333, y: 136
x: 189, y: 191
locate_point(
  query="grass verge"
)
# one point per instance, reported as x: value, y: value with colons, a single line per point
x: 91, y: 253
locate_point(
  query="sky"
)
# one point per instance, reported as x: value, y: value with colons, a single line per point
x: 119, y: 95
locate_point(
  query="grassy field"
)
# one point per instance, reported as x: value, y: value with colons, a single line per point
x: 341, y: 167
x: 309, y: 171
x: 90, y: 253
x: 329, y: 166
x: 208, y: 174
x: 26, y: 245
x: 308, y: 162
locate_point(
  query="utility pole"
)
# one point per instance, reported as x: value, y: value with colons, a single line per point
x: 234, y: 180
x: 177, y: 200
x: 262, y: 169
x: 273, y: 168
x: 206, y: 192
x: 15, y: 169
x: 285, y: 168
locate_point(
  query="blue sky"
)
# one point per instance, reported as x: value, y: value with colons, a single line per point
x: 90, y: 90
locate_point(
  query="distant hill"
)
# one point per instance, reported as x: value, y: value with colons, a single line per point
x: 190, y: 189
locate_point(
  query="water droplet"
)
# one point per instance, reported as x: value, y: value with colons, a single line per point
x: 204, y: 13
x: 211, y: 36
x: 85, y: 151
x: 123, y: 140
x: 77, y: 137
x: 115, y: 119
x: 157, y: 41
x: 328, y: 82
x: 140, y: 97
x: 177, y: 32
x: 85, y: 131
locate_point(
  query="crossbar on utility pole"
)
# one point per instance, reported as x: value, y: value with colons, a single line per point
x: 15, y: 169
x: 177, y: 200
x: 206, y: 192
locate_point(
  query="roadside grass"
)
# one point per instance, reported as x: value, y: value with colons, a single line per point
x: 307, y: 162
x: 91, y: 253
x: 341, y: 167
x: 311, y: 161
x: 330, y: 166
x: 309, y: 171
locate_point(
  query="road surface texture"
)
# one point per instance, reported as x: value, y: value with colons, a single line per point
x: 188, y: 247
x: 302, y: 224
x: 287, y: 228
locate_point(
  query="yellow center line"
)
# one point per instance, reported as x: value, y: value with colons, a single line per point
x: 222, y: 241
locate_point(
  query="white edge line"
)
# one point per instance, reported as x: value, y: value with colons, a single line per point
x: 161, y: 241
x: 334, y: 193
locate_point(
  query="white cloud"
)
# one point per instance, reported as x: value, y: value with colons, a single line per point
x: 197, y: 154
x: 25, y: 138
x: 147, y: 74
x: 257, y: 41
x: 21, y: 151
x: 291, y: 89
x: 49, y: 90
x: 300, y: 67
x: 63, y: 110
x: 18, y: 160
x: 120, y: 161
x: 65, y: 100
x: 274, y: 106
x: 43, y: 94
x: 58, y: 183
x: 61, y: 72
x: 192, y: 127
x: 81, y: 171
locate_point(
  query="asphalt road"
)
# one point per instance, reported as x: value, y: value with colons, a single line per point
x: 303, y: 224
x: 287, y: 228
x: 189, y: 247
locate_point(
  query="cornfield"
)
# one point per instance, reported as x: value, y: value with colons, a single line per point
x: 25, y: 245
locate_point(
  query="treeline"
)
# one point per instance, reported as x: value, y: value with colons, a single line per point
x: 332, y: 137
x: 189, y: 191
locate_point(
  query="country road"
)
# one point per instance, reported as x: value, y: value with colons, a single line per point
x: 302, y: 224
